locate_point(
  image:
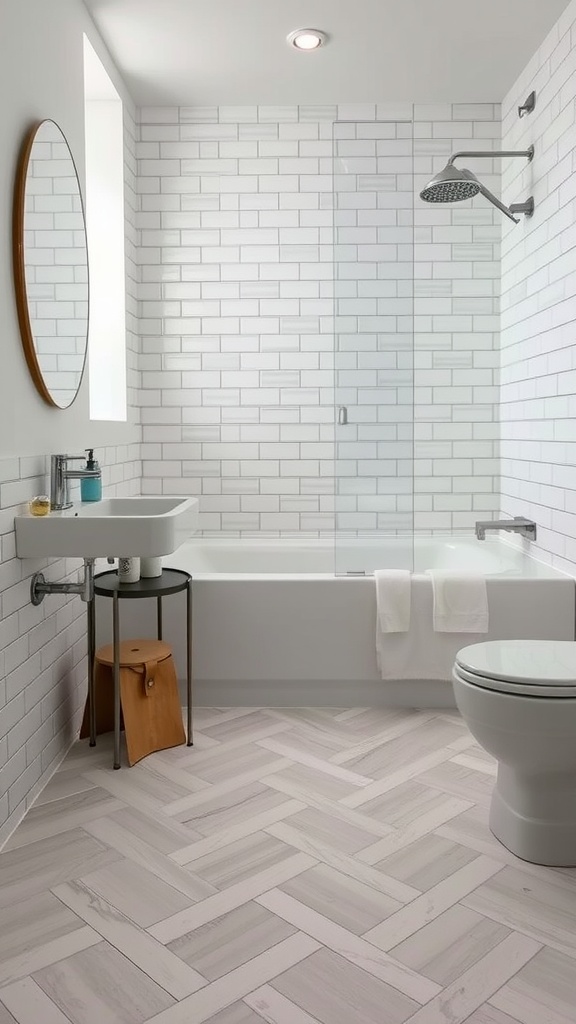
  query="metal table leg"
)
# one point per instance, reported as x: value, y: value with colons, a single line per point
x: 159, y: 616
x: 189, y: 659
x: 116, y: 642
x: 91, y: 615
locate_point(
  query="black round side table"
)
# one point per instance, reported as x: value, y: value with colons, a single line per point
x: 107, y: 584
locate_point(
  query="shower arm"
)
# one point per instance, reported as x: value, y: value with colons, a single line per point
x: 508, y: 211
x: 528, y: 154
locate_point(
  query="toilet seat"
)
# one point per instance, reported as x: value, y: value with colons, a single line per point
x: 530, y: 668
x: 525, y: 689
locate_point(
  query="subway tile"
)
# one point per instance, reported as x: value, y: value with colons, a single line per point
x: 259, y: 131
x: 278, y: 114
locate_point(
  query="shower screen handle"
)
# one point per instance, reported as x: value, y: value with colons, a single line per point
x: 342, y: 415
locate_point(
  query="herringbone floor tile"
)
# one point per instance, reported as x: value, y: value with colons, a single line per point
x: 298, y: 866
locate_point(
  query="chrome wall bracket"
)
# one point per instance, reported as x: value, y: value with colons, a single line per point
x: 527, y: 207
x: 40, y: 587
x: 528, y: 106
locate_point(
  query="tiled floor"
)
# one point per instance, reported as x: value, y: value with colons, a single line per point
x: 313, y: 866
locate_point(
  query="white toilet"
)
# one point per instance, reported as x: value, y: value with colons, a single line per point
x: 518, y: 698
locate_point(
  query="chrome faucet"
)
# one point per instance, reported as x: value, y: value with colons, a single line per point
x: 60, y: 475
x: 525, y: 527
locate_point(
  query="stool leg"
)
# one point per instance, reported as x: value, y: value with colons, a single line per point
x: 90, y: 611
x: 189, y: 659
x: 116, y: 641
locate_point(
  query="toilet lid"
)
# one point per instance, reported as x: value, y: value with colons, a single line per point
x: 532, y: 667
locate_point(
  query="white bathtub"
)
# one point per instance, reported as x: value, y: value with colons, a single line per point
x: 242, y: 559
x: 273, y: 625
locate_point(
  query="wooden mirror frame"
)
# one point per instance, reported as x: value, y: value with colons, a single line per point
x: 19, y: 264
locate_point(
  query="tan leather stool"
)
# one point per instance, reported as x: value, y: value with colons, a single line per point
x: 151, y: 714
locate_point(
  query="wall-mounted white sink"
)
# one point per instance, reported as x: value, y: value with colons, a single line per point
x: 114, y: 526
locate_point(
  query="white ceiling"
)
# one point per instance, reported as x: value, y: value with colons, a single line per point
x: 183, y: 52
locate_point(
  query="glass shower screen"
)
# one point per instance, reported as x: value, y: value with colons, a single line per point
x: 373, y: 345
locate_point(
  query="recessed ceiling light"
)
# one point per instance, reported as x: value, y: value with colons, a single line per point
x: 307, y: 39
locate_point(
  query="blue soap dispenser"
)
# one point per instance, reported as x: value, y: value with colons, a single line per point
x: 91, y: 486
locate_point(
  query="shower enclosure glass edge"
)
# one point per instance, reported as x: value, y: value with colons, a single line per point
x: 373, y: 304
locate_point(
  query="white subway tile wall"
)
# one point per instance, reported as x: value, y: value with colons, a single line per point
x: 539, y: 301
x: 456, y: 320
x: 237, y: 316
x: 43, y: 662
x: 43, y: 658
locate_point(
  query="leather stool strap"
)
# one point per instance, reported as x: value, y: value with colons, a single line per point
x: 150, y: 668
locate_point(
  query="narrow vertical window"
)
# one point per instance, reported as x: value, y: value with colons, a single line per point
x: 105, y: 227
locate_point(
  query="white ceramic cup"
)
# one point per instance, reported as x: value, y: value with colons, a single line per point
x: 150, y: 568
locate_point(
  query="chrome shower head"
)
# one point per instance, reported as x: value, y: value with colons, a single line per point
x: 451, y: 185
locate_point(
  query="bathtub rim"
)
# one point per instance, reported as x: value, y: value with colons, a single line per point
x: 312, y: 543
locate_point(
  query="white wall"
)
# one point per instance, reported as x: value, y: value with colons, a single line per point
x: 42, y: 650
x: 237, y: 315
x: 539, y: 301
x: 41, y: 75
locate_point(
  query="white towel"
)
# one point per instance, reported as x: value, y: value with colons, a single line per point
x: 460, y: 603
x: 421, y: 653
x: 392, y: 600
x: 392, y: 609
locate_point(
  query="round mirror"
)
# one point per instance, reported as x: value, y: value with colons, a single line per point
x: 51, y: 264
